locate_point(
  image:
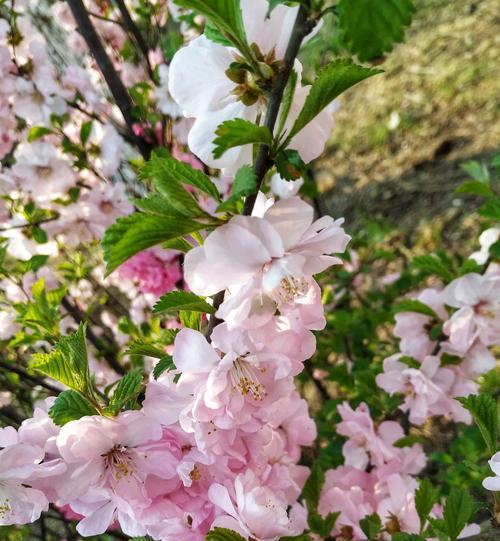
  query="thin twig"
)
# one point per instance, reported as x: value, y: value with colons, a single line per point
x: 131, y: 27
x: 263, y: 162
x: 115, y: 84
x: 28, y: 224
x: 29, y: 377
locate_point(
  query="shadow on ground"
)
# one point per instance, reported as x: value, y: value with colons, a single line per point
x: 401, y: 138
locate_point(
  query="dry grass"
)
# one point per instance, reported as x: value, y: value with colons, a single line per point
x: 401, y: 137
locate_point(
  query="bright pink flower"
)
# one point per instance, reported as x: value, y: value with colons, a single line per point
x: 369, y: 445
x: 21, y: 467
x: 428, y: 389
x: 151, y: 274
x: 396, y: 503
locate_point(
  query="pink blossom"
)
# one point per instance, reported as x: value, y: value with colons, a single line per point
x: 266, y: 263
x: 493, y: 483
x: 151, y: 274
x: 477, y: 298
x: 21, y: 466
x: 396, y: 503
x: 110, y: 461
x: 428, y: 389
x: 411, y: 327
x: 367, y: 444
x: 255, y: 510
x: 349, y: 491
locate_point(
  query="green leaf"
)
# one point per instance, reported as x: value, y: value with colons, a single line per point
x: 132, y: 234
x: 68, y: 362
x: 191, y: 320
x: 485, y: 411
x: 164, y: 364
x: 402, y: 536
x: 409, y: 361
x: 412, y: 305
x: 469, y: 265
x: 245, y: 184
x: 156, y: 204
x: 312, y: 488
x: 371, y: 526
x: 85, y: 132
x: 140, y: 347
x: 457, y: 512
x: 39, y: 235
x: 408, y: 441
x: 70, y: 406
x: 370, y: 29
x: 35, y: 263
x: 36, y: 132
x: 164, y: 170
x: 225, y: 15
x: 432, y: 264
x: 478, y: 171
x: 214, y: 35
x: 127, y: 389
x: 287, y: 100
x: 447, y: 359
x: 425, y: 498
x: 179, y: 243
x: 475, y: 187
x: 331, y: 81
x: 290, y: 165
x: 491, y: 209
x: 171, y: 39
x: 223, y: 534
x: 237, y: 132
x: 182, y: 300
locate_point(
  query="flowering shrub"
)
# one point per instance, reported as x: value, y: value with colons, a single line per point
x: 189, y: 351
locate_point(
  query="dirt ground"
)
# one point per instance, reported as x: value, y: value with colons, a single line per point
x: 401, y: 137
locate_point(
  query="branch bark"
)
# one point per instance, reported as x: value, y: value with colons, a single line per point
x: 115, y: 84
x: 303, y: 26
x: 34, y: 380
x: 131, y: 27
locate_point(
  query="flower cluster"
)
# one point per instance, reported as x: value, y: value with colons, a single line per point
x: 378, y: 477
x: 431, y: 371
x: 218, y: 439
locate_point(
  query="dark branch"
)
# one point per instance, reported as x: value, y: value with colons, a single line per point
x: 115, y: 84
x: 263, y: 162
x: 30, y: 378
x: 131, y: 27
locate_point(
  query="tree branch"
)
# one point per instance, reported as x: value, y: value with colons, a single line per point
x: 29, y: 377
x: 263, y: 162
x: 131, y: 27
x: 115, y: 84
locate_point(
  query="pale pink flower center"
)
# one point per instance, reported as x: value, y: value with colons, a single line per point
x: 118, y: 462
x: 245, y: 380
